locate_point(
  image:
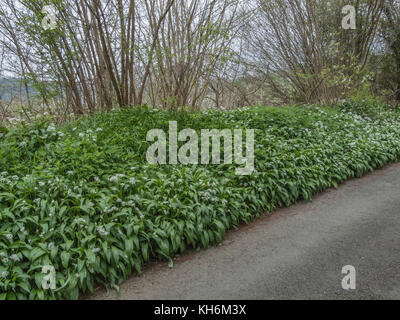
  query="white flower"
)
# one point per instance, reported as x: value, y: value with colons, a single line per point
x: 9, y: 236
x: 4, y: 274
x: 113, y: 179
x: 51, y: 245
x: 96, y: 250
x: 15, y: 258
x: 80, y: 220
x: 102, y: 231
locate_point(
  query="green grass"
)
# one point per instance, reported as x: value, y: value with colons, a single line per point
x: 83, y: 199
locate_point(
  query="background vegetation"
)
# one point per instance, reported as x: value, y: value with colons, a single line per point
x: 195, y: 54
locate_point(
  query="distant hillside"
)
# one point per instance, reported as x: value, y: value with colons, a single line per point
x: 10, y: 87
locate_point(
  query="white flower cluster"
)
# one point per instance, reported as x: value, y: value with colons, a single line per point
x: 15, y: 258
x: 82, y: 223
x: 209, y: 195
x: 110, y: 210
x: 4, y: 274
x: 89, y: 134
x: 116, y: 177
x: 5, y: 260
x: 102, y: 231
x: 23, y: 231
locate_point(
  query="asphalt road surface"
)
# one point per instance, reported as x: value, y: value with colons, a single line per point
x: 294, y: 253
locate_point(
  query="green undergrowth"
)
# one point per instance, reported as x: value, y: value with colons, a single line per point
x: 83, y: 199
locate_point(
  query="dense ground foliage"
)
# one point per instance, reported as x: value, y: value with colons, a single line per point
x: 83, y: 199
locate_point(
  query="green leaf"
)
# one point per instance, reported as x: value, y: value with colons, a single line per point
x: 65, y: 257
x: 36, y: 254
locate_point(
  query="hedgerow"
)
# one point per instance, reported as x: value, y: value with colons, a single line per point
x: 83, y: 199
